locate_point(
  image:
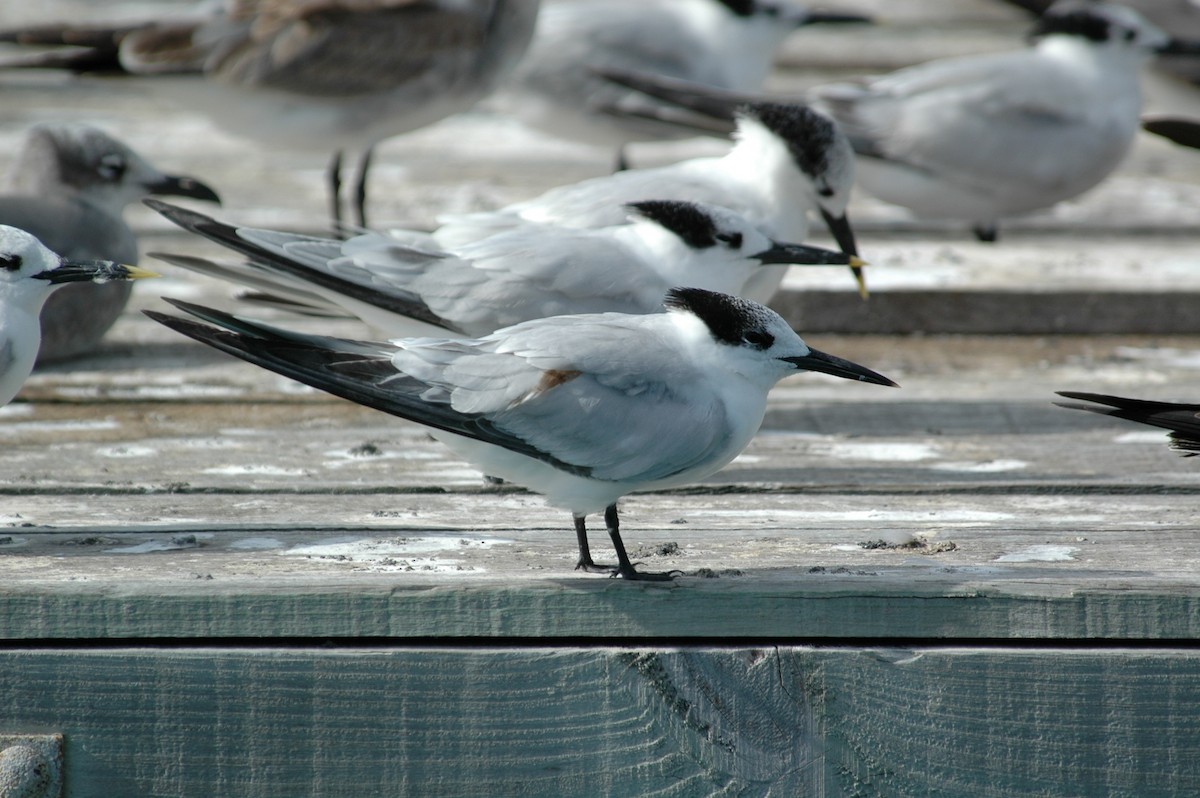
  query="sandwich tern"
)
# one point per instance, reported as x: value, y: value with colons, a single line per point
x: 788, y: 160
x: 1183, y: 420
x: 725, y: 43
x: 582, y: 409
x: 68, y: 185
x: 983, y: 138
x: 29, y: 273
x: 525, y: 273
x: 322, y: 75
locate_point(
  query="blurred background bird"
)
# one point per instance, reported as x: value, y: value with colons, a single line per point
x: 326, y: 75
x: 728, y: 44
x: 68, y: 185
x: 981, y: 138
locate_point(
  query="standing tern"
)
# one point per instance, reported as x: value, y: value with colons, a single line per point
x: 529, y: 272
x: 29, y: 274
x: 582, y: 409
x: 725, y: 43
x: 316, y: 75
x: 982, y: 138
x: 788, y: 160
x: 68, y: 185
x: 1183, y: 420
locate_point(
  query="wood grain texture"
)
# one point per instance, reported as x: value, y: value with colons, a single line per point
x: 670, y: 722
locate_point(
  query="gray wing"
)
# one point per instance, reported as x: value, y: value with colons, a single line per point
x: 533, y: 272
x: 296, y: 261
x: 612, y: 411
x: 576, y: 40
x: 598, y: 202
x: 977, y: 121
x: 592, y: 391
x: 336, y: 47
x: 360, y: 371
x: 537, y: 271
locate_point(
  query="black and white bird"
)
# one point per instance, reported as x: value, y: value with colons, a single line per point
x: 725, y: 43
x: 1183, y: 420
x: 68, y: 185
x: 788, y: 161
x: 526, y: 273
x: 582, y: 409
x: 986, y: 137
x: 29, y: 274
x: 310, y: 75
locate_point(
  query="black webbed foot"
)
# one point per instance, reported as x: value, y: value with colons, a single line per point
x: 595, y: 568
x: 645, y: 576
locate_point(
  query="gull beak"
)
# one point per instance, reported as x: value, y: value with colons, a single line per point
x: 179, y: 186
x: 843, y: 234
x: 805, y: 255
x: 817, y: 360
x: 92, y: 271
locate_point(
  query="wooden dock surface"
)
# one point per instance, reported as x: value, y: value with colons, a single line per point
x: 215, y: 582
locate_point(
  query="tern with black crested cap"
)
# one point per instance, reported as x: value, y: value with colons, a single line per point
x: 582, y: 409
x: 68, y: 185
x: 725, y: 43
x: 788, y: 161
x: 525, y: 273
x: 315, y: 75
x: 29, y: 274
x: 983, y: 138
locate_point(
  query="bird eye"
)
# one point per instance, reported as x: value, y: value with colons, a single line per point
x: 10, y: 263
x: 732, y: 240
x: 112, y: 167
x: 758, y: 339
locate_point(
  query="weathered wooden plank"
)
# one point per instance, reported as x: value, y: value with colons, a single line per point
x: 168, y: 471
x: 673, y: 722
x: 835, y: 564
x: 321, y: 446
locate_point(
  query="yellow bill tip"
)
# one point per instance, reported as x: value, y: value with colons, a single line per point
x: 860, y: 279
x: 138, y: 273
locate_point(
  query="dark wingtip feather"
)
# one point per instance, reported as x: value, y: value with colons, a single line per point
x: 399, y: 302
x: 1181, y: 420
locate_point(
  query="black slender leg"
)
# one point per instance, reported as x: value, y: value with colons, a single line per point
x: 625, y: 568
x: 622, y: 163
x: 585, y: 562
x: 333, y: 177
x: 360, y: 188
x: 986, y: 233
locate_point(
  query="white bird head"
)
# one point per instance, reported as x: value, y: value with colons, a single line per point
x: 85, y: 162
x: 29, y: 272
x: 812, y: 146
x: 756, y: 342
x: 700, y: 243
x: 1109, y: 26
